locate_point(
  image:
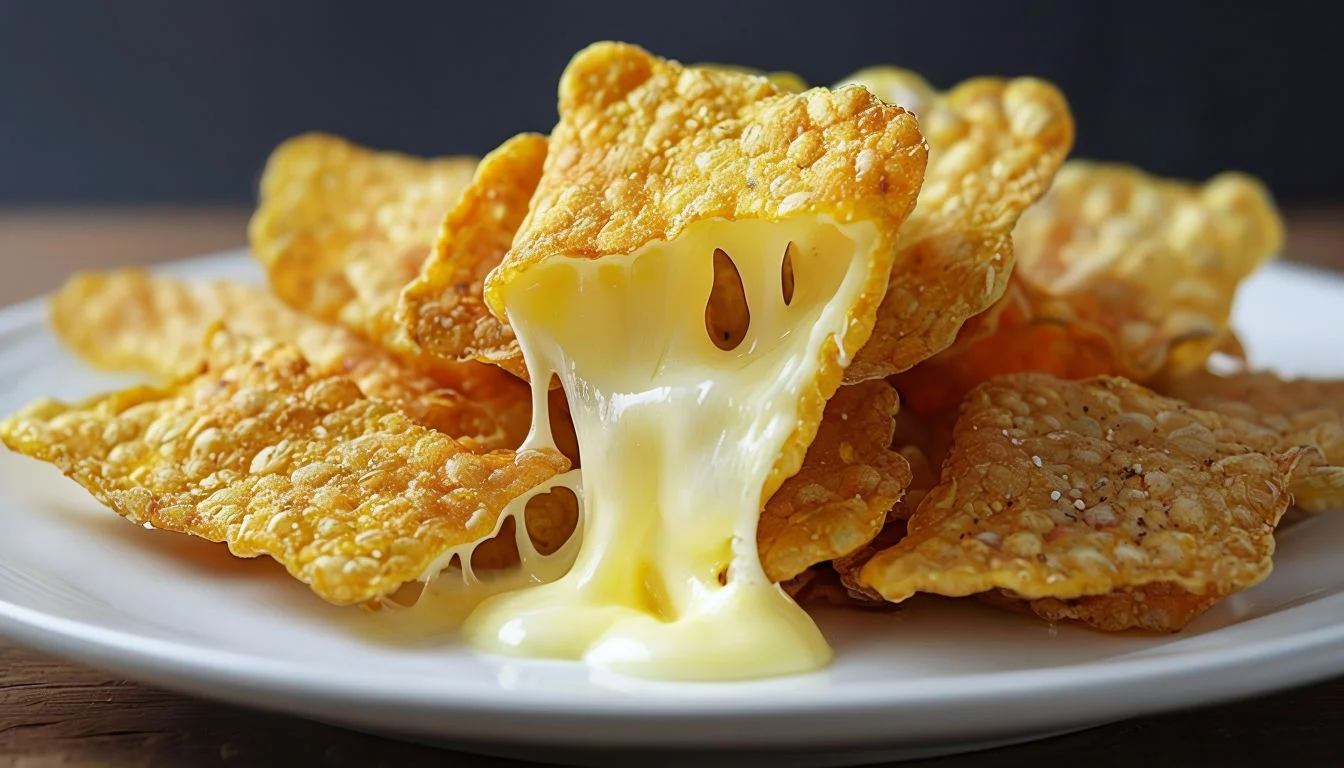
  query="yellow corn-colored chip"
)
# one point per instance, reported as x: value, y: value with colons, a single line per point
x: 342, y: 229
x: 1010, y: 337
x: 1301, y: 411
x: 839, y: 500
x: 132, y: 320
x: 1118, y: 273
x: 1135, y: 273
x: 994, y: 146
x: 444, y: 310
x: 785, y: 81
x: 1157, y: 607
x: 264, y: 452
x: 1154, y: 262
x: 1059, y: 490
x: 646, y: 148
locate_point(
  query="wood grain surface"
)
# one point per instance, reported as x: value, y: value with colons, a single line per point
x: 53, y: 713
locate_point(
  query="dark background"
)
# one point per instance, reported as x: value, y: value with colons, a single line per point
x: 153, y: 101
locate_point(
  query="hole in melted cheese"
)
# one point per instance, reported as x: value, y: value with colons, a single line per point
x: 786, y: 273
x: 678, y: 438
x: 727, y: 316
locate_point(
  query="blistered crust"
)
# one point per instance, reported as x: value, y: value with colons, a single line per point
x: 994, y: 147
x: 341, y: 229
x: 849, y: 480
x: 1061, y: 490
x: 444, y: 310
x: 645, y: 148
x: 263, y: 452
x: 1301, y: 411
x: 132, y: 320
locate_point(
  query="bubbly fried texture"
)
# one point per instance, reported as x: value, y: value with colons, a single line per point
x: 341, y: 229
x: 443, y: 310
x: 1062, y: 490
x: 132, y: 320
x: 994, y: 146
x: 1301, y: 411
x: 645, y: 148
x: 839, y: 500
x: 785, y: 81
x: 1120, y: 273
x: 266, y: 453
x: 1157, y: 607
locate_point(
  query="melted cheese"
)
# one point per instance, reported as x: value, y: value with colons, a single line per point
x: 678, y: 439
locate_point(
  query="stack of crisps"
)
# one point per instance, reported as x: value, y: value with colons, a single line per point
x: 1019, y: 409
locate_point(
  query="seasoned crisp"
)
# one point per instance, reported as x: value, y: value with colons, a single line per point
x: 276, y: 458
x: 994, y: 146
x: 1059, y: 490
x: 1300, y: 411
x: 341, y: 229
x: 132, y: 320
x: 645, y: 148
x: 849, y: 480
x: 1119, y: 273
x: 443, y: 310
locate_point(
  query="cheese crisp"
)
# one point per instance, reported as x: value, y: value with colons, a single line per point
x: 276, y: 458
x: 703, y: 255
x: 342, y: 229
x: 444, y: 310
x: 849, y: 480
x: 130, y: 320
x: 1120, y: 273
x: 994, y: 146
x: 1302, y: 412
x: 1080, y: 493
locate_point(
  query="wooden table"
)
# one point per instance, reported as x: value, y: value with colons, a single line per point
x: 55, y: 713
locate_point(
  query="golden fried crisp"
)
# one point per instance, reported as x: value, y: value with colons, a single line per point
x: 848, y: 567
x: 994, y: 146
x: 785, y: 81
x: 646, y: 149
x: 268, y: 454
x: 839, y: 500
x: 341, y: 229
x: 1009, y: 337
x: 1060, y: 490
x: 1118, y: 273
x: 443, y: 310
x: 1300, y: 411
x: 1157, y: 607
x: 132, y: 320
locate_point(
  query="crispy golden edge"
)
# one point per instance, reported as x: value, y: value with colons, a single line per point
x: 275, y: 458
x: 1301, y: 411
x: 341, y: 229
x: 645, y: 147
x: 785, y: 81
x: 849, y: 480
x: 443, y: 310
x: 994, y: 147
x: 1063, y: 490
x: 1156, y: 607
x: 134, y: 320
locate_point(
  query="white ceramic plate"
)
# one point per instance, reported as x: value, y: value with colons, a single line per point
x: 942, y: 676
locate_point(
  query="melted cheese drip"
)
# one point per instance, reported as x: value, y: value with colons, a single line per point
x: 678, y: 438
